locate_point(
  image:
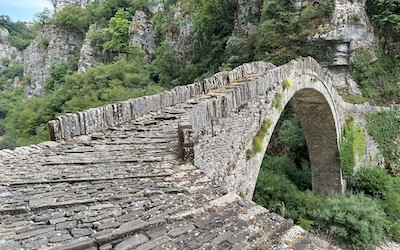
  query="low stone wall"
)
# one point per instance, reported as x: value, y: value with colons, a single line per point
x: 98, y: 119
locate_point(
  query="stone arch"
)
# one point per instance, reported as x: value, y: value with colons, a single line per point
x: 317, y: 107
x: 321, y: 135
x: 224, y: 123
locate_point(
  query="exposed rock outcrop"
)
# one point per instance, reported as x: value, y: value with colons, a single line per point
x: 8, y: 54
x: 180, y: 34
x: 141, y: 33
x: 350, y: 26
x: 88, y: 56
x: 51, y: 45
x: 59, y: 4
x: 248, y: 15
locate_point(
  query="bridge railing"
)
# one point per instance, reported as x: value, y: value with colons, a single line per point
x: 101, y: 118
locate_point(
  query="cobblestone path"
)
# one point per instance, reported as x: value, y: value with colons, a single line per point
x: 125, y: 188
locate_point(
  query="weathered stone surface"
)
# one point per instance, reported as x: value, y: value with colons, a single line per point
x: 141, y: 34
x: 87, y: 56
x: 132, y: 242
x: 77, y: 245
x: 180, y: 230
x: 33, y: 233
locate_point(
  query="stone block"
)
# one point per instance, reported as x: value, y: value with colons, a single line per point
x: 81, y: 122
x: 54, y: 128
x: 109, y: 115
x: 132, y: 242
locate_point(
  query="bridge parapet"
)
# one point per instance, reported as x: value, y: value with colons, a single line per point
x: 101, y: 118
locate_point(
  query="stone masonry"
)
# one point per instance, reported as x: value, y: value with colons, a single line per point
x: 165, y: 171
x: 223, y: 113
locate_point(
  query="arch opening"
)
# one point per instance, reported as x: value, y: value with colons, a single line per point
x: 321, y: 136
x: 320, y: 152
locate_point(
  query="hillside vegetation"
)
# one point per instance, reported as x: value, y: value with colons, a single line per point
x: 216, y: 43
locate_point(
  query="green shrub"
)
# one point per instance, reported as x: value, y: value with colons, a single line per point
x: 8, y: 142
x: 385, y: 128
x: 373, y: 181
x: 284, y: 166
x: 385, y: 16
x: 44, y: 42
x: 377, y: 75
x: 280, y: 195
x: 355, y: 220
x: 356, y: 99
x: 394, y: 231
x: 291, y: 134
x: 72, y: 18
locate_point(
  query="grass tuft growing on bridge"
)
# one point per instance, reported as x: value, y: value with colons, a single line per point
x: 287, y: 83
x: 259, y: 138
x: 277, y: 102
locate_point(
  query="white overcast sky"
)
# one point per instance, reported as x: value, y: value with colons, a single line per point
x: 23, y: 10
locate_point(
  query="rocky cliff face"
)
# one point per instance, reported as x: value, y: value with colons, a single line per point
x: 88, y: 57
x: 248, y: 16
x: 141, y: 33
x: 8, y: 54
x: 351, y: 28
x: 59, y: 4
x: 49, y: 47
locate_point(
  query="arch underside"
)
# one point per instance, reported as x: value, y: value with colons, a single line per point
x: 320, y: 131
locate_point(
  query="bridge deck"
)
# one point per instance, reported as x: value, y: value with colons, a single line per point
x: 124, y: 188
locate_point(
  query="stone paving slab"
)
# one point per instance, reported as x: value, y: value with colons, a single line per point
x: 125, y: 189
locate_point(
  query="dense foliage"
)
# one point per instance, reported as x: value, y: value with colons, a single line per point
x: 21, y: 34
x: 384, y: 126
x: 386, y: 16
x: 282, y: 36
x: 25, y: 122
x: 360, y: 219
x: 352, y: 147
x: 377, y: 75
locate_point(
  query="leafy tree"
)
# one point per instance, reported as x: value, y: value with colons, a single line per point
x: 20, y: 33
x: 116, y: 34
x: 213, y: 25
x: 386, y: 15
x: 42, y: 18
x: 72, y: 18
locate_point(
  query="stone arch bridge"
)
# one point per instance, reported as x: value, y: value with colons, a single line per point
x: 165, y: 171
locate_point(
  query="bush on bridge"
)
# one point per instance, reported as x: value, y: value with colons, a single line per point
x: 259, y: 138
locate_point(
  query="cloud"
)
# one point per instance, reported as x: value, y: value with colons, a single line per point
x: 27, y: 4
